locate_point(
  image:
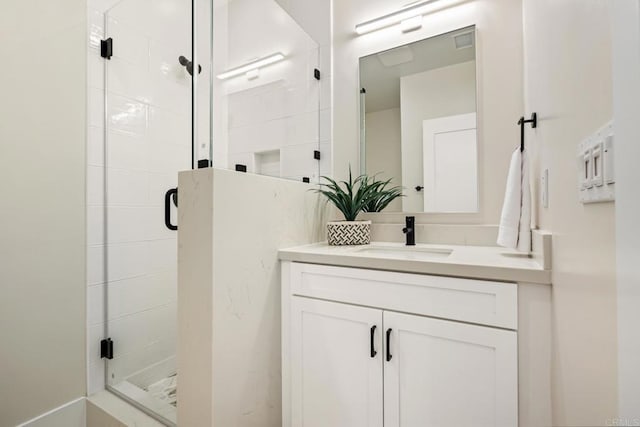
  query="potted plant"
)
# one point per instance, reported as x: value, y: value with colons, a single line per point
x: 362, y: 194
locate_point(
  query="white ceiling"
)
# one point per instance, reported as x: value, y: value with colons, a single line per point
x: 382, y: 83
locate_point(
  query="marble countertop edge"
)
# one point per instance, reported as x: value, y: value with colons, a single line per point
x: 484, y: 263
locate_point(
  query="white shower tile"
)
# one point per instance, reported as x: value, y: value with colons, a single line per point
x: 325, y: 93
x: 167, y: 127
x: 325, y: 159
x: 96, y: 28
x: 297, y: 160
x: 95, y: 304
x: 126, y: 224
x: 130, y: 80
x: 95, y: 69
x: 154, y: 227
x: 273, y: 102
x: 128, y: 188
x: 95, y: 265
x: 169, y: 158
x: 161, y: 254
x: 273, y: 135
x: 127, y: 115
x: 95, y: 116
x: 170, y: 82
x: 140, y: 330
x: 325, y: 60
x: 95, y: 146
x: 313, y: 59
x: 241, y: 139
x: 95, y: 335
x: 130, y: 296
x: 325, y: 125
x: 95, y: 225
x: 131, y: 46
x: 127, y: 260
x: 96, y: 377
x: 302, y: 129
x: 258, y: 137
x: 127, y: 151
x: 159, y: 184
x: 303, y: 96
x: 236, y: 110
x: 95, y: 186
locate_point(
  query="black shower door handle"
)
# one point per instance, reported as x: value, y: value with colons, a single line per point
x: 171, y: 194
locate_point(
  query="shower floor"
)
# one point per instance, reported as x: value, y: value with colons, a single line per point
x: 155, y: 388
x: 165, y: 390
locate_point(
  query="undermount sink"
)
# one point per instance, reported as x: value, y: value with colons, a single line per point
x: 406, y: 252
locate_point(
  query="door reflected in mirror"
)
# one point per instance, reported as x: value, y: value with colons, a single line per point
x: 418, y: 122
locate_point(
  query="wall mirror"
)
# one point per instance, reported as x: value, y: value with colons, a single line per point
x: 418, y: 122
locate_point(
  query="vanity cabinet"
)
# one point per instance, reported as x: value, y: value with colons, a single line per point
x: 335, y: 381
x: 443, y: 373
x: 376, y: 348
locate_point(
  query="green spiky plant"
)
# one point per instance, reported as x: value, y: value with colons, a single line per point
x: 362, y: 194
x: 381, y: 195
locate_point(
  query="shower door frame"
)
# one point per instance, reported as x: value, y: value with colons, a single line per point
x: 194, y: 81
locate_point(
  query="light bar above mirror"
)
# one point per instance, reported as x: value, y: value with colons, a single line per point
x: 409, y: 17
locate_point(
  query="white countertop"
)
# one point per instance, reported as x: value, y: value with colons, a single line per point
x: 478, y: 262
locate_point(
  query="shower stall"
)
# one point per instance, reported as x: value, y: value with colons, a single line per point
x: 177, y: 85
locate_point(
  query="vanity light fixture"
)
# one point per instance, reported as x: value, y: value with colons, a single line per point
x: 409, y: 17
x: 251, y: 68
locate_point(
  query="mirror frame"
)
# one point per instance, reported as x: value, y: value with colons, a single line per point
x: 421, y: 216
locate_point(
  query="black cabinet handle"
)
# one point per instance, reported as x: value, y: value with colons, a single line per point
x: 167, y: 208
x: 389, y: 345
x: 373, y: 350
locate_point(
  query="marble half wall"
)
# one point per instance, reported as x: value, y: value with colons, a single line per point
x: 231, y: 226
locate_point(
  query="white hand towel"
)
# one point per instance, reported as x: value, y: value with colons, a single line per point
x: 515, y: 221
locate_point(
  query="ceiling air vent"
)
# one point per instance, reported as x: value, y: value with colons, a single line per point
x: 463, y: 40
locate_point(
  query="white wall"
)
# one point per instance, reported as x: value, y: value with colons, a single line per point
x: 229, y: 293
x: 149, y: 141
x: 383, y: 153
x: 42, y: 236
x: 626, y: 107
x: 432, y: 94
x: 568, y: 83
x: 499, y: 59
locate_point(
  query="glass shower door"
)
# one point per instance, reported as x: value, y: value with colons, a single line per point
x: 148, y: 134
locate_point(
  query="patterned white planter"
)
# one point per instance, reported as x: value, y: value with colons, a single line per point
x: 342, y: 233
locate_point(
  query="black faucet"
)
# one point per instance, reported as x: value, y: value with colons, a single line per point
x: 410, y: 230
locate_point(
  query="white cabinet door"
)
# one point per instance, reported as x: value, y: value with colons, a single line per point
x: 336, y: 378
x: 444, y: 373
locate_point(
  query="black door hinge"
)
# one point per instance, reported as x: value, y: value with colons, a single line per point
x: 106, y: 48
x: 241, y: 168
x: 204, y: 163
x: 306, y: 179
x: 316, y: 74
x: 106, y: 349
x: 316, y: 154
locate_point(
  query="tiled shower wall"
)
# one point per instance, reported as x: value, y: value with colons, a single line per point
x: 315, y: 17
x: 148, y: 96
x: 283, y: 116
